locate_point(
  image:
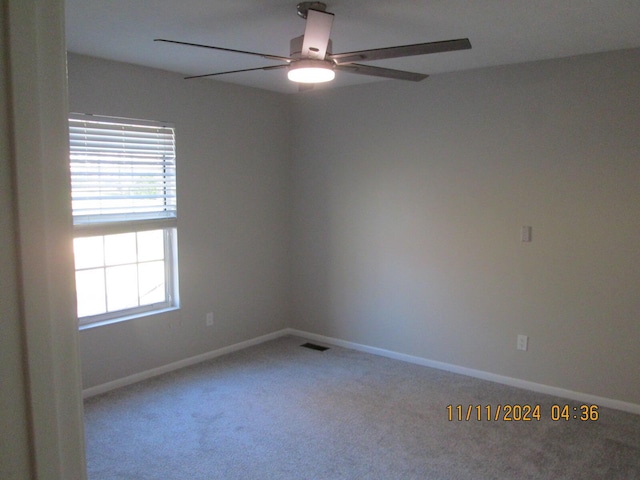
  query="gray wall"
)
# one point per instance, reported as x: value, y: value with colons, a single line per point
x: 389, y: 214
x: 233, y: 197
x: 407, y: 207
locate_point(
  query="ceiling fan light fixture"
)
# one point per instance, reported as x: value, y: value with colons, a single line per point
x: 311, y: 71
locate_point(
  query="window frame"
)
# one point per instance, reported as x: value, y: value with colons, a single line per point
x: 168, y: 225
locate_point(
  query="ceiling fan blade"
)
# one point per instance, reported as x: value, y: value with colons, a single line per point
x: 271, y: 67
x: 400, y: 51
x: 263, y: 55
x: 316, y: 34
x: 381, y: 72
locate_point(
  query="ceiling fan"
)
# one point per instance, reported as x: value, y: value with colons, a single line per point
x: 311, y: 60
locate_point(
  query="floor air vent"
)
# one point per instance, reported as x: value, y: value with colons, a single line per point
x: 313, y: 346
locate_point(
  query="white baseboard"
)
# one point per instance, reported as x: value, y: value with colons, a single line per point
x: 154, y: 372
x: 470, y: 372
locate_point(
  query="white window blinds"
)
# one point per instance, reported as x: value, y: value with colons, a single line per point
x: 121, y: 171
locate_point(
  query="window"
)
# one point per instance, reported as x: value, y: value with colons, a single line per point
x: 123, y: 186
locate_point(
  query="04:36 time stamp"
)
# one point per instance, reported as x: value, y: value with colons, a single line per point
x: 522, y: 413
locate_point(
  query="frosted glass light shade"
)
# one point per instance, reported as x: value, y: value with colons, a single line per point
x: 311, y: 71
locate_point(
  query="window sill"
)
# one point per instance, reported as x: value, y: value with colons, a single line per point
x: 127, y: 318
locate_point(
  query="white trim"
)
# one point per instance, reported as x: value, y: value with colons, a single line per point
x: 36, y: 87
x: 470, y: 372
x: 154, y: 372
x: 125, y: 318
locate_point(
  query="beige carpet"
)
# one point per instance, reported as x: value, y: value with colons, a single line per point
x: 281, y: 411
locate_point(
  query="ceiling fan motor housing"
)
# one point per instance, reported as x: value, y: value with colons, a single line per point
x: 295, y: 47
x: 304, y: 7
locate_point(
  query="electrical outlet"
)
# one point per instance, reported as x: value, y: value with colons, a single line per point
x: 210, y: 319
x: 522, y: 342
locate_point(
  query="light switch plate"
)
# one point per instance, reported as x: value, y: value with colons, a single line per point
x: 522, y: 342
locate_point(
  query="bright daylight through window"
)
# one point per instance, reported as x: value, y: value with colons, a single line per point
x: 123, y: 184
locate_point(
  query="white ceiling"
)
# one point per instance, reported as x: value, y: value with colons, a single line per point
x: 501, y: 32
